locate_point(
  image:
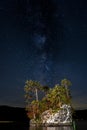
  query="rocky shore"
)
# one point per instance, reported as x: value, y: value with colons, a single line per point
x: 62, y: 117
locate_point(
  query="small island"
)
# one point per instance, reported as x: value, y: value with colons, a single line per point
x: 48, y: 106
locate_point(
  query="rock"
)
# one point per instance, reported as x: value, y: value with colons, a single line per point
x: 62, y: 116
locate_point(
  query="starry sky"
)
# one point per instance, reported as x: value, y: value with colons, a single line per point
x: 43, y: 40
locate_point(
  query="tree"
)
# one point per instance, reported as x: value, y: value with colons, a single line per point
x: 57, y: 96
x: 32, y: 86
x: 45, y: 89
x: 66, y: 83
x: 53, y: 97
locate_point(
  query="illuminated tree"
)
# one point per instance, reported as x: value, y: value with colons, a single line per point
x: 32, y: 87
x: 53, y: 98
x: 66, y: 83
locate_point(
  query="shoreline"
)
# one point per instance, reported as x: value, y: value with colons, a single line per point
x: 50, y: 124
x: 6, y: 121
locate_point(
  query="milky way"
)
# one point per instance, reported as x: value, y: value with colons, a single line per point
x: 44, y: 20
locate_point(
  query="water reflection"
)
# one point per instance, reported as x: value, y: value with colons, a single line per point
x: 52, y: 128
x: 19, y: 126
x: 59, y: 128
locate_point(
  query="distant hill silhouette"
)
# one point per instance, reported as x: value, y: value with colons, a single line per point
x: 17, y: 114
x: 80, y: 114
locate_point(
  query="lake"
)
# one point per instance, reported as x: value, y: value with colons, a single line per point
x: 80, y: 125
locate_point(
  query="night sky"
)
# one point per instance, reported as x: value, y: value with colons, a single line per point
x: 44, y: 40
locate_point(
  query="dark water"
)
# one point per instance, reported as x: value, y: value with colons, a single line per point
x: 53, y: 128
x: 80, y: 125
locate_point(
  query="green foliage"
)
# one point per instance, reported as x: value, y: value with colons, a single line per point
x: 31, y: 89
x: 66, y: 82
x: 53, y: 97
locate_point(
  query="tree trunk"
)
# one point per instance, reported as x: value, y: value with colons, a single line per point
x: 67, y: 90
x: 36, y: 94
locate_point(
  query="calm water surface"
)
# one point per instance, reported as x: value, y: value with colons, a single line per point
x: 52, y: 128
x: 80, y: 125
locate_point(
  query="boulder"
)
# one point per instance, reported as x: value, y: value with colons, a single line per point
x: 62, y: 116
